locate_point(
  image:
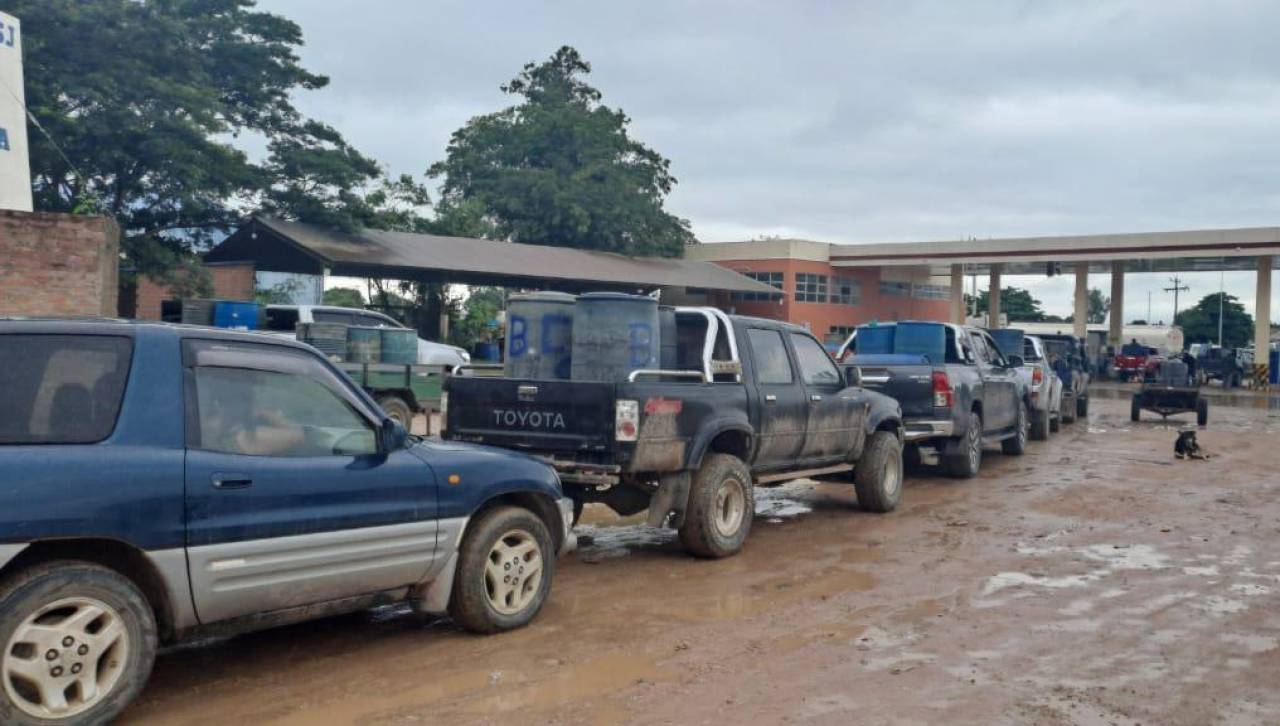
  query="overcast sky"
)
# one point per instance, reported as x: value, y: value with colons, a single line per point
x: 863, y: 121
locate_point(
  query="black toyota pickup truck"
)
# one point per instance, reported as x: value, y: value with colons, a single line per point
x: 748, y: 402
x: 958, y: 392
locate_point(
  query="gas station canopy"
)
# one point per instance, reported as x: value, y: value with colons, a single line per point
x: 278, y: 246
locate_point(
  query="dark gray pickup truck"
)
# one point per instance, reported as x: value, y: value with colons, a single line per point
x: 749, y: 402
x: 958, y: 392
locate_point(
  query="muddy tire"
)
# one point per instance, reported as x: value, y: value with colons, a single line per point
x: 1041, y: 421
x: 1016, y: 445
x: 721, y: 505
x: 1055, y: 423
x: 505, y: 567
x: 1082, y: 407
x: 964, y: 455
x: 877, y: 477
x: 396, y: 408
x: 79, y: 642
x: 1135, y: 408
x: 1202, y: 411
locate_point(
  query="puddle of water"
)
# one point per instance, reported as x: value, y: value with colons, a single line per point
x: 777, y: 504
x: 1252, y: 643
x: 1221, y: 606
x: 1250, y: 589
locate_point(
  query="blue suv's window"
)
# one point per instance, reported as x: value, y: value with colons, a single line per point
x: 61, y: 389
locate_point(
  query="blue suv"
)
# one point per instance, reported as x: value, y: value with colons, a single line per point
x: 163, y: 482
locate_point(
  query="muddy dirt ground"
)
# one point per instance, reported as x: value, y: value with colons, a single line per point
x: 1095, y: 580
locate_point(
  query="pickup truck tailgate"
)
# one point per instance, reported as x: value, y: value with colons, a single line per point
x: 902, y: 377
x: 541, y: 416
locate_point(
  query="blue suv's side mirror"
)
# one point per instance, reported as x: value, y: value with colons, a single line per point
x: 393, y: 435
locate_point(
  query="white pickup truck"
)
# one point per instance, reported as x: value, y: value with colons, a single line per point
x: 1044, y: 386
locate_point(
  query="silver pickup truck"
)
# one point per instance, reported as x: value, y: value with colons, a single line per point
x: 1044, y: 387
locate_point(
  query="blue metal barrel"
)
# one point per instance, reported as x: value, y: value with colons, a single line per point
x: 667, y: 337
x: 613, y: 335
x: 399, y: 345
x: 540, y: 336
x: 364, y: 344
x: 235, y: 314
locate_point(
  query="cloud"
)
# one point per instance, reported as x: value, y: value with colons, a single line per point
x: 850, y: 122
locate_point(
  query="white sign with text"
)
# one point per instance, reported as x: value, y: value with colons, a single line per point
x: 15, y: 163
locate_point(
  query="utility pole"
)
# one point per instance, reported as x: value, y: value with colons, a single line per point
x: 1148, y: 307
x: 1177, y: 287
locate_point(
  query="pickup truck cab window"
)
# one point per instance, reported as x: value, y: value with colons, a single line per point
x: 333, y: 316
x: 268, y: 413
x: 769, y: 355
x: 815, y: 365
x: 61, y: 389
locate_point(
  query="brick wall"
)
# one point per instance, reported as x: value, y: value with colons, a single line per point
x: 58, y: 264
x: 231, y: 281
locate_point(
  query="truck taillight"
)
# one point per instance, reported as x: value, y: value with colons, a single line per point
x: 626, y: 424
x: 942, y: 397
x: 444, y: 410
x: 1037, y: 376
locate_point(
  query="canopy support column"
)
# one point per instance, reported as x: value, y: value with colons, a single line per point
x: 993, y: 297
x: 1262, y: 321
x: 957, y: 294
x: 1080, y: 318
x: 1116, y: 333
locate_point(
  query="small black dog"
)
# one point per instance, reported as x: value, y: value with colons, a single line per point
x: 1186, y: 447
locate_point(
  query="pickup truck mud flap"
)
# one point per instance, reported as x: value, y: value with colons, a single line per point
x: 671, y: 499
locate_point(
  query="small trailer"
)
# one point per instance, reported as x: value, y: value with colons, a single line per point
x: 403, y: 390
x: 1168, y: 391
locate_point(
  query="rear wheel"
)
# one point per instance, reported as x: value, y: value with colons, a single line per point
x: 505, y: 567
x: 1055, y: 423
x: 1135, y: 408
x: 1041, y: 424
x: 1202, y: 411
x: 877, y: 478
x: 721, y: 505
x: 965, y: 457
x: 79, y: 641
x: 1068, y: 409
x: 1016, y: 445
x: 397, y: 410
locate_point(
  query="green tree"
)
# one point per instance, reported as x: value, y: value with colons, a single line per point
x: 560, y: 169
x: 343, y: 297
x: 144, y: 100
x: 1098, y: 306
x: 1200, y: 323
x: 1016, y: 303
x: 476, y: 312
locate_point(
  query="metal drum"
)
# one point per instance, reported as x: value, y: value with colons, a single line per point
x: 328, y: 338
x: 399, y: 345
x: 613, y: 335
x: 364, y: 344
x: 540, y: 336
x: 198, y: 311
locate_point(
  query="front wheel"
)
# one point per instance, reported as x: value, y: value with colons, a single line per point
x: 721, y: 505
x: 79, y: 642
x: 1202, y: 411
x: 1016, y: 445
x: 877, y: 478
x: 965, y: 455
x: 505, y: 567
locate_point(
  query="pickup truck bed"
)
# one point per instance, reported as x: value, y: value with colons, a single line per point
x: 762, y: 402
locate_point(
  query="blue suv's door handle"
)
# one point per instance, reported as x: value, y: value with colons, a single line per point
x: 232, y: 481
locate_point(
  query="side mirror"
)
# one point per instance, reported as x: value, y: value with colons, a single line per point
x: 393, y: 435
x: 1016, y: 361
x: 853, y: 376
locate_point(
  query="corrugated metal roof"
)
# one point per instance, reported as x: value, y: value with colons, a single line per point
x: 461, y: 259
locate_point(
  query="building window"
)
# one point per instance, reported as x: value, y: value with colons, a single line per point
x: 768, y: 278
x: 895, y: 289
x: 846, y: 292
x: 811, y: 288
x: 841, y: 332
x: 932, y: 292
